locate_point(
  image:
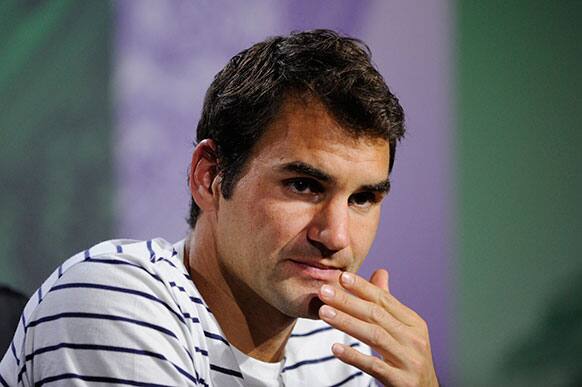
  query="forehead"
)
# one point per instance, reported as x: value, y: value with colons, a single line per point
x: 305, y: 131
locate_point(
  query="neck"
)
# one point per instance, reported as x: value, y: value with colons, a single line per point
x: 248, y: 322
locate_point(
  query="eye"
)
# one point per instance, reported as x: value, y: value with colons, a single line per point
x: 304, y: 186
x: 364, y: 199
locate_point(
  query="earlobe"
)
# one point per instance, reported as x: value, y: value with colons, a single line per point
x: 203, y: 174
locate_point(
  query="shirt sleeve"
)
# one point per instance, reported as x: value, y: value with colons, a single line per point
x: 112, y: 325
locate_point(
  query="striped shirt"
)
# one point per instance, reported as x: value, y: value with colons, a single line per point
x: 127, y: 313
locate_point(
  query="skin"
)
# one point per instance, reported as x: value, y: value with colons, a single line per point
x: 305, y: 210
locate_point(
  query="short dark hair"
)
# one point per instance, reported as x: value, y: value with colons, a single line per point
x: 247, y: 94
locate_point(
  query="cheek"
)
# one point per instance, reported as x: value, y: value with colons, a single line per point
x: 282, y: 222
x: 260, y: 226
x: 363, y: 235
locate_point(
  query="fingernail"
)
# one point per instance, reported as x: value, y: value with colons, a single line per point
x: 327, y: 312
x: 327, y: 291
x: 348, y: 278
x: 337, y: 349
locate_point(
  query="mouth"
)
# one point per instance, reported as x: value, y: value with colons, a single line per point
x: 315, y: 270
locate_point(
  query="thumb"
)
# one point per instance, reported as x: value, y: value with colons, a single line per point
x: 380, y: 279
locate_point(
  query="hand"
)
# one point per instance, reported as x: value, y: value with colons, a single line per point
x: 368, y: 312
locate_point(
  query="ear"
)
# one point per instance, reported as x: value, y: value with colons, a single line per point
x: 202, y: 175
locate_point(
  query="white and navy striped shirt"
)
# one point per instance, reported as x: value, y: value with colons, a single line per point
x: 127, y: 313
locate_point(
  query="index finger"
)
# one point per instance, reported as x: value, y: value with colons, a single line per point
x: 362, y: 288
x: 380, y: 279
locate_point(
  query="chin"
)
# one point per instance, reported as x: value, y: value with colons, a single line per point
x: 308, y: 308
x: 313, y: 308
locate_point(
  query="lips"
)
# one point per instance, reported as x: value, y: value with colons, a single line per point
x: 315, y: 270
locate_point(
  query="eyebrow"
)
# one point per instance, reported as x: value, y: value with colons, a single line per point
x: 383, y: 187
x: 306, y: 169
x: 309, y: 170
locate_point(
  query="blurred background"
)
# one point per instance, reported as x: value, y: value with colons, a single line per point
x: 482, y: 233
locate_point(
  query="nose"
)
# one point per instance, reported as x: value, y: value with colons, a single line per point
x: 329, y: 230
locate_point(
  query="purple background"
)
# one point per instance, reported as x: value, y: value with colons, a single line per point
x: 166, y: 55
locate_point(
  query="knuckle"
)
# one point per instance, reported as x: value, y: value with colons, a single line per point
x: 400, y: 327
x: 377, y: 336
x: 376, y: 313
x: 349, y: 355
x: 376, y: 366
x: 415, y: 364
x: 383, y: 299
x: 346, y: 299
x: 420, y: 342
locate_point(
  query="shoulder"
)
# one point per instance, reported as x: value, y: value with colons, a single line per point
x: 119, y: 302
x: 134, y: 282
x: 112, y: 276
x: 309, y: 352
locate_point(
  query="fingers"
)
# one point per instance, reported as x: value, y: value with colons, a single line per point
x: 380, y: 279
x: 360, y: 309
x: 371, y: 334
x: 368, y: 312
x: 370, y: 292
x: 387, y: 374
x: 369, y: 364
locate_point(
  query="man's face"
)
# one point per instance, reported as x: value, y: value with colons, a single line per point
x: 306, y: 208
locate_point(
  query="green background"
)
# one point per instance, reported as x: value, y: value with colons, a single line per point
x: 519, y: 164
x: 55, y: 135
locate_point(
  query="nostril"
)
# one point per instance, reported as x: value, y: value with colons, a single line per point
x: 323, y: 249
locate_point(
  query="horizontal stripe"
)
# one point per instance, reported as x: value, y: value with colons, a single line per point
x: 187, y: 276
x: 114, y: 261
x: 98, y: 379
x: 98, y: 316
x: 117, y: 261
x: 226, y: 371
x: 110, y: 348
x: 216, y: 337
x: 157, y: 278
x: 81, y: 285
x: 352, y: 376
x: 305, y: 362
x: 166, y: 260
x: 188, y: 316
x: 201, y: 351
x: 314, y: 361
x: 196, y: 300
x: 313, y: 332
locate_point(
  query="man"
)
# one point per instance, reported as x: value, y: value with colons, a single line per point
x: 295, y: 144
